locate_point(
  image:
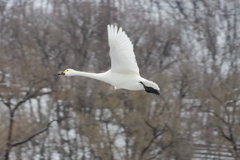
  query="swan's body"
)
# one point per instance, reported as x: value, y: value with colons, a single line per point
x: 124, y: 72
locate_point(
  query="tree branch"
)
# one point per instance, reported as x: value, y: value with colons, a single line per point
x: 155, y: 136
x: 224, y: 135
x: 27, y: 97
x: 37, y: 133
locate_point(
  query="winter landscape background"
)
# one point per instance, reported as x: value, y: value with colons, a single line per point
x: 191, y: 48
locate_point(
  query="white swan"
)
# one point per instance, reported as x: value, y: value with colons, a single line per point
x: 124, y: 72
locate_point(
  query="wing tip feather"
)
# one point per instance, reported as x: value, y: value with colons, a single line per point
x: 117, y: 35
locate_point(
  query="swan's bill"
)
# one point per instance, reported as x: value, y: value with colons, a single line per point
x: 62, y: 73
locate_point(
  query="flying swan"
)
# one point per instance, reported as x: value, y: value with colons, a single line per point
x: 124, y: 72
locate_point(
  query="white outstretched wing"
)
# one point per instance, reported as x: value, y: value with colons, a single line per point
x: 121, y: 51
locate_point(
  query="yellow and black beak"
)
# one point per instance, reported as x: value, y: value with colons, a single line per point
x: 62, y: 73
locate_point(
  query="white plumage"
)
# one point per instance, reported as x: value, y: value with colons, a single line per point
x: 121, y: 51
x: 124, y: 72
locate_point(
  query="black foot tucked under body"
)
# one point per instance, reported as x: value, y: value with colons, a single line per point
x: 150, y: 89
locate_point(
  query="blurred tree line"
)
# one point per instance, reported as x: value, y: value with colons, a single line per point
x: 191, y: 48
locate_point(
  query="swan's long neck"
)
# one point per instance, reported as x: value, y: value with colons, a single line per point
x: 97, y: 76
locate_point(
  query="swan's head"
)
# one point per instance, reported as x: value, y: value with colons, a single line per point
x: 151, y: 87
x: 67, y: 72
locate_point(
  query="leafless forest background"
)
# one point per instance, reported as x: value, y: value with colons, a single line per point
x: 191, y: 48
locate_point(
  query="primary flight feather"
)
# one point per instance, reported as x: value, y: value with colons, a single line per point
x: 124, y: 72
x: 121, y: 51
